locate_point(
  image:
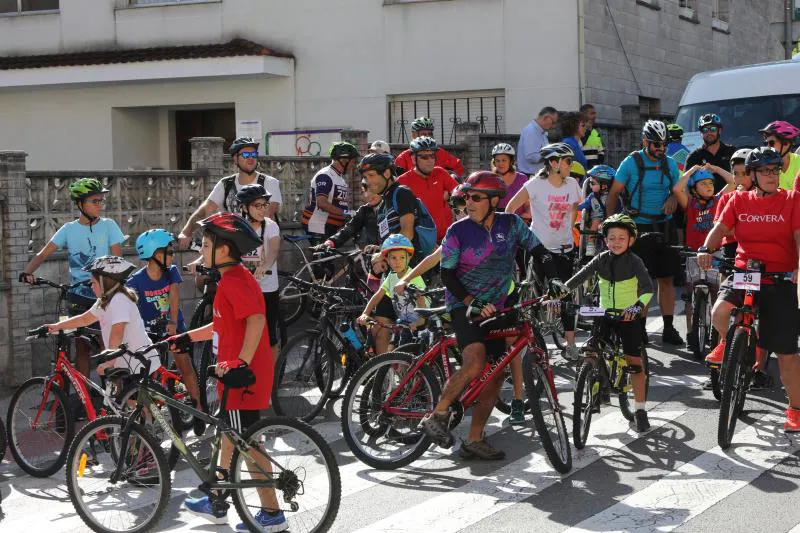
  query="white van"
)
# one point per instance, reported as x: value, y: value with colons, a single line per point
x: 746, y: 98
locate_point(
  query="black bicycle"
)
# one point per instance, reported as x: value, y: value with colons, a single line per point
x: 202, y: 352
x: 118, y: 478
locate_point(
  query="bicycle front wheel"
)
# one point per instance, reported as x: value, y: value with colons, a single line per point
x: 302, y: 469
x: 587, y: 402
x: 136, y: 502
x: 303, y: 377
x: 734, y: 386
x: 292, y: 300
x: 700, y: 324
x: 40, y: 427
x: 547, y: 415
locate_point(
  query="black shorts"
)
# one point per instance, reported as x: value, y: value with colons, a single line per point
x: 661, y: 260
x: 276, y: 327
x: 242, y: 419
x: 469, y: 332
x: 385, y: 309
x: 629, y: 333
x: 778, y: 315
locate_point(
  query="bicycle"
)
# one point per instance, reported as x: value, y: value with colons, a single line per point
x: 741, y: 344
x: 316, y: 364
x: 588, y: 293
x: 549, y: 317
x: 605, y: 373
x: 389, y: 395
x: 202, y: 352
x: 118, y: 479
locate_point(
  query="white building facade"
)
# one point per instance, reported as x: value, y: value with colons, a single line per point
x: 125, y: 83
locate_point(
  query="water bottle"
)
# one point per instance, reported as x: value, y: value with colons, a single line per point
x: 349, y: 334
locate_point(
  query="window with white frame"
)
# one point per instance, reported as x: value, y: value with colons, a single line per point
x: 687, y: 4
x: 721, y: 10
x: 146, y: 2
x: 26, y: 6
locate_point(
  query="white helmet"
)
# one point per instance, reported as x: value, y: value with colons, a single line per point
x: 654, y: 130
x: 111, y: 266
x: 380, y: 147
x: 503, y: 148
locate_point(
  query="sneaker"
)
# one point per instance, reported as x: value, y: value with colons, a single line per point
x: 708, y: 385
x: 716, y: 355
x: 202, y: 507
x: 480, y: 449
x: 670, y: 335
x: 517, y: 415
x: 571, y: 353
x: 692, y: 342
x: 269, y: 523
x: 437, y: 427
x: 642, y: 423
x: 761, y: 381
x: 792, y: 424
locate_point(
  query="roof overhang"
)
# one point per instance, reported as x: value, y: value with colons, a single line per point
x: 209, y: 68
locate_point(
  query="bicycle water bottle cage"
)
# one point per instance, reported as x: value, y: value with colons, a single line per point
x: 755, y: 265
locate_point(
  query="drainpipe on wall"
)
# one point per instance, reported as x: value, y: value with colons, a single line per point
x: 581, y: 56
x: 787, y: 28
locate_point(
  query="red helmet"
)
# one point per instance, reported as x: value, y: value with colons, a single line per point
x: 782, y: 129
x: 486, y: 182
x: 234, y: 228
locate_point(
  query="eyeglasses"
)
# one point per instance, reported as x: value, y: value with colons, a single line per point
x: 773, y: 143
x: 707, y: 129
x: 657, y: 144
x: 260, y: 205
x: 248, y: 155
x: 427, y: 157
x: 96, y: 201
x: 769, y: 171
x: 476, y: 197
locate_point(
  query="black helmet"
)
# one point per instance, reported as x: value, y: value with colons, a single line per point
x: 421, y: 144
x: 250, y: 193
x: 377, y: 162
x: 654, y: 130
x: 234, y: 228
x: 242, y: 142
x: 763, y: 156
x: 343, y: 149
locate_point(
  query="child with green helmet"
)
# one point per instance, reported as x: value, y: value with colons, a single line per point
x: 88, y: 237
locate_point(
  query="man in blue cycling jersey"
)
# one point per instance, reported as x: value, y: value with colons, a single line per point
x: 477, y: 265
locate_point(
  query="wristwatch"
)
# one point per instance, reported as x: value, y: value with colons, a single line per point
x: 703, y: 250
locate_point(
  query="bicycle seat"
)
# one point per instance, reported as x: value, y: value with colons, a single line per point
x: 117, y: 373
x: 427, y: 312
x: 296, y: 238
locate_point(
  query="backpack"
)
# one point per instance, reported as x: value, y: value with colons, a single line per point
x: 229, y: 184
x: 424, y: 226
x: 627, y: 199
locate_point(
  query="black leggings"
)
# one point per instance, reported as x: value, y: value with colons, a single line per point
x: 563, y: 264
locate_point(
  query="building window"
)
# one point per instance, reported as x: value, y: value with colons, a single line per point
x: 25, y: 6
x: 721, y: 10
x: 688, y: 10
x: 486, y: 109
x: 146, y: 2
x: 687, y: 4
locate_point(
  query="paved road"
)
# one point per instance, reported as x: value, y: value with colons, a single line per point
x: 674, y: 478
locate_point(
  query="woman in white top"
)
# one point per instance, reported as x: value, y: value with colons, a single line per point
x: 262, y: 262
x: 553, y: 197
x: 117, y: 312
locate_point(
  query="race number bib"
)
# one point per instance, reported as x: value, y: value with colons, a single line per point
x: 591, y: 311
x: 383, y: 228
x: 749, y: 281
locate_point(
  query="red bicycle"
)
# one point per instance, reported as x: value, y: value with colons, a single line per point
x: 387, y: 398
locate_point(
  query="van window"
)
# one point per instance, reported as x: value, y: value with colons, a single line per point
x: 743, y: 117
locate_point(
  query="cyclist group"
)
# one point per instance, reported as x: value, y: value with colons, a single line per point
x: 481, y: 233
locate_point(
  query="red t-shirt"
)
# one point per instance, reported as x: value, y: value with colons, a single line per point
x: 764, y: 228
x: 444, y: 159
x: 238, y: 297
x: 720, y: 205
x: 430, y: 191
x: 699, y: 221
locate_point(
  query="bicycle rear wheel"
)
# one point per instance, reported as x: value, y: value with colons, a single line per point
x: 547, y: 415
x: 309, y: 487
x: 138, y: 500
x: 292, y: 300
x: 303, y: 377
x: 586, y: 402
x: 40, y: 427
x: 734, y: 386
x: 209, y: 394
x: 382, y: 440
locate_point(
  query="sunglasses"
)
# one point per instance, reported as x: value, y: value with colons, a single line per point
x: 260, y: 205
x: 773, y: 143
x: 248, y: 155
x: 707, y: 129
x: 476, y: 197
x: 769, y: 171
x: 96, y: 201
x: 657, y: 144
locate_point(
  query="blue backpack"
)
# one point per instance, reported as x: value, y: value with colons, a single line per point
x: 424, y: 226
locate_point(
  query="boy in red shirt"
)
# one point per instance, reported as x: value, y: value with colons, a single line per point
x: 239, y: 339
x: 695, y: 195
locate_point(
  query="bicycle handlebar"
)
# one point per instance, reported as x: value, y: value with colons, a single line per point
x: 733, y: 267
x: 122, y: 349
x: 323, y: 288
x: 61, y: 286
x: 416, y: 291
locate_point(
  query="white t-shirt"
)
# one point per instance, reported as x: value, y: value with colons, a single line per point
x: 268, y: 282
x: 121, y: 310
x: 551, y: 209
x: 217, y: 195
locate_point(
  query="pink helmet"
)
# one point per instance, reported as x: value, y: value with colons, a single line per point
x: 782, y: 129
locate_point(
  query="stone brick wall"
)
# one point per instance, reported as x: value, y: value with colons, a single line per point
x: 633, y: 50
